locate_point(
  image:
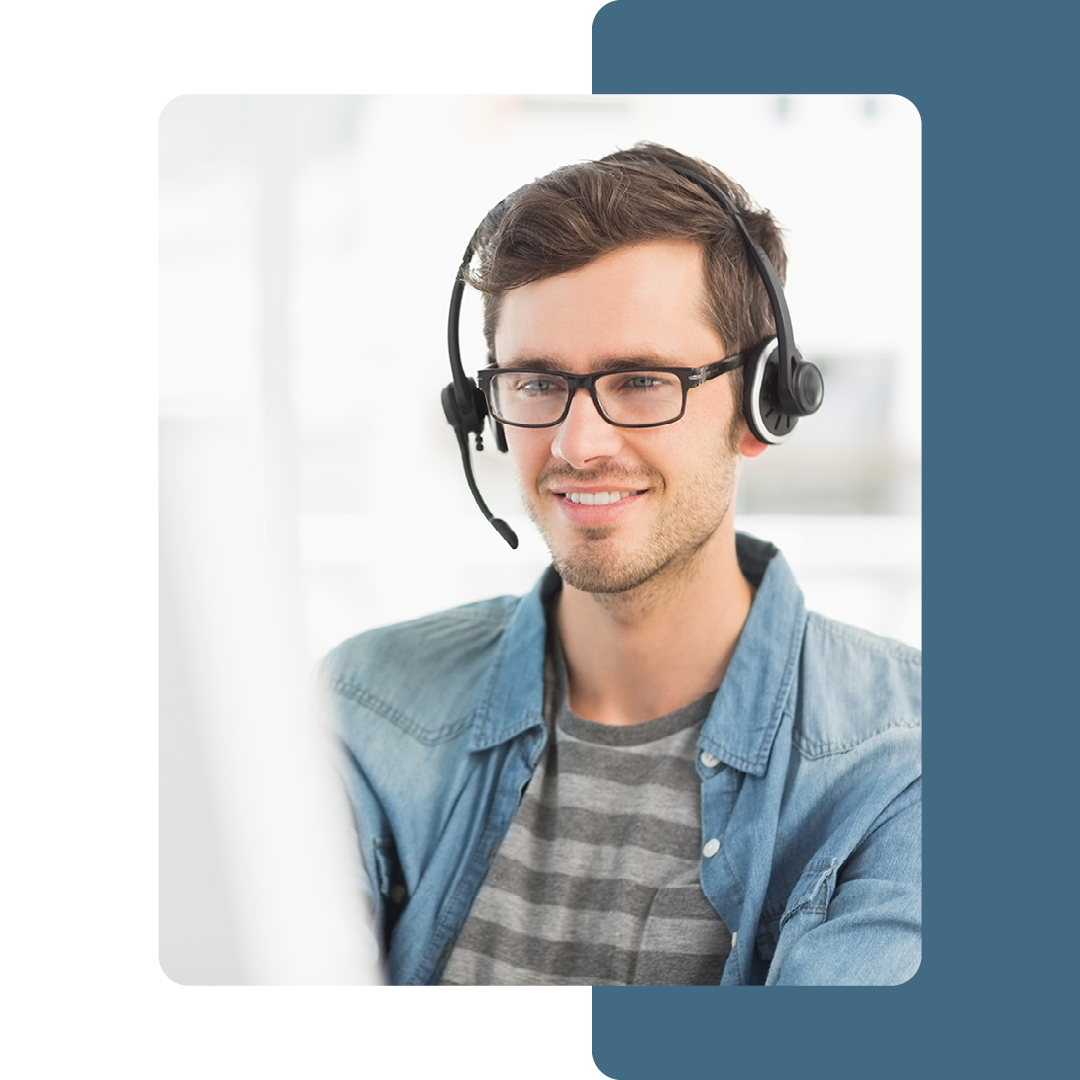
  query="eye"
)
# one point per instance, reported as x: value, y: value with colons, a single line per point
x: 636, y: 382
x: 537, y: 384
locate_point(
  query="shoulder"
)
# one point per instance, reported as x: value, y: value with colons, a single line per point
x: 855, y: 686
x: 423, y: 675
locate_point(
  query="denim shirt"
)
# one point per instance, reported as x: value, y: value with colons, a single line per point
x: 809, y: 762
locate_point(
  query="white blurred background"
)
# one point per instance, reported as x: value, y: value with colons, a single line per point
x: 308, y: 245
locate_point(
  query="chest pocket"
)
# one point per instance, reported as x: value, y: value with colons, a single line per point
x: 806, y: 907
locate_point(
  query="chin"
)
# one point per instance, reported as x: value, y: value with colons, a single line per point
x: 591, y: 569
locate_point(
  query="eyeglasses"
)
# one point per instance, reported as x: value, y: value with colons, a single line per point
x: 629, y: 397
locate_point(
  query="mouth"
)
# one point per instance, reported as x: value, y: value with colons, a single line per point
x: 595, y: 508
x: 598, y: 498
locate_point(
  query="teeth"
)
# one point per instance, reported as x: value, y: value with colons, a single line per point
x: 596, y: 498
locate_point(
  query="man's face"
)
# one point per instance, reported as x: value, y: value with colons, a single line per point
x: 664, y: 491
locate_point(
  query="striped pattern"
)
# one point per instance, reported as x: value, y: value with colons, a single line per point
x: 597, y: 879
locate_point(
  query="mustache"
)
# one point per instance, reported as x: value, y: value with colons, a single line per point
x: 610, y: 475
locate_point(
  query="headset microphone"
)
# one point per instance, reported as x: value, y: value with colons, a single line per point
x: 501, y: 527
x: 465, y: 407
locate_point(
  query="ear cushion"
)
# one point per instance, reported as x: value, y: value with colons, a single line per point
x: 761, y: 402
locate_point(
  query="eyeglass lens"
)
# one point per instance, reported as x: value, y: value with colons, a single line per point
x: 626, y: 397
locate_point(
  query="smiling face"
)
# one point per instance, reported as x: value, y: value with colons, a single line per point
x: 620, y: 506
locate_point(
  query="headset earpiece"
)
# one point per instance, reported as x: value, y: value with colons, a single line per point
x: 769, y: 421
x: 465, y: 412
x: 808, y: 387
x: 450, y: 408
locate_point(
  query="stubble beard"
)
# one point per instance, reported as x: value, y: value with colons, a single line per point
x: 667, y: 557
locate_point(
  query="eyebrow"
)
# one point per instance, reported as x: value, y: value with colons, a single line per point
x: 615, y: 363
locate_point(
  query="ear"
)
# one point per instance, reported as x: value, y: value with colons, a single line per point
x: 750, y: 447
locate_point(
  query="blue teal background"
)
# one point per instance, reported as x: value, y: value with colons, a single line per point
x: 996, y: 97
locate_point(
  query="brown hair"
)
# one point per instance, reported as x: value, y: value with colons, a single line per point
x: 565, y: 220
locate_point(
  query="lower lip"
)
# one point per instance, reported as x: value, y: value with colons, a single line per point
x: 605, y: 514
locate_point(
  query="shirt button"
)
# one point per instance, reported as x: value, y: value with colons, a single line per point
x: 711, y: 848
x: 709, y: 760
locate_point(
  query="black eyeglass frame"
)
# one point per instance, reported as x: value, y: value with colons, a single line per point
x: 689, y: 378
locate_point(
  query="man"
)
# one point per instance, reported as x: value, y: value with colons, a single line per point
x: 657, y: 767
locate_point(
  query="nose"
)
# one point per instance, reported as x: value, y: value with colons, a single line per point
x: 584, y: 435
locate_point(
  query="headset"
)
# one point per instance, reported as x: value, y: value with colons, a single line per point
x: 779, y: 386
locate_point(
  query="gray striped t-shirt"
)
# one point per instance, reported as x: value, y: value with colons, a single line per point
x: 597, y: 881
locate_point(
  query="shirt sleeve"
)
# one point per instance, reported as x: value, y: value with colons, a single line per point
x: 859, y: 922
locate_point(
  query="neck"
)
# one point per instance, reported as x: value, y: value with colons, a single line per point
x: 640, y: 654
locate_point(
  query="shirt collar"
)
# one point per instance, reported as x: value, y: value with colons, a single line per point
x: 750, y: 703
x: 513, y: 698
x: 749, y: 706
